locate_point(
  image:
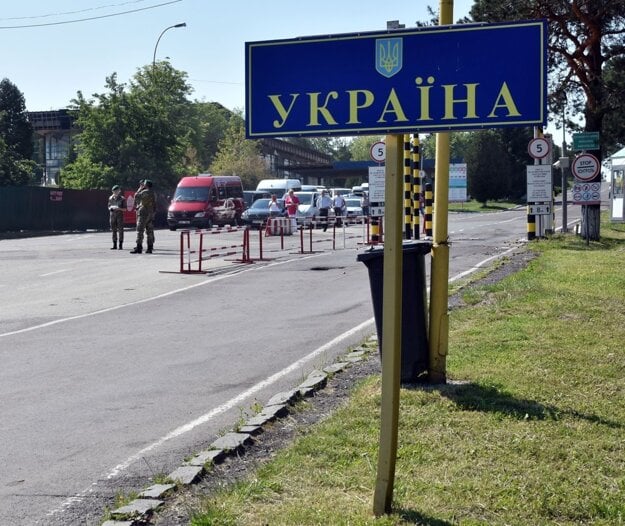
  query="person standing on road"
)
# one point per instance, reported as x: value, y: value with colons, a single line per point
x: 324, y: 202
x: 364, y: 204
x: 292, y: 201
x: 145, y: 202
x: 339, y: 208
x: 117, y: 204
x: 274, y: 206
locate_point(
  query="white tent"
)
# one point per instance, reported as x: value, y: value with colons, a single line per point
x: 618, y: 158
x: 617, y: 165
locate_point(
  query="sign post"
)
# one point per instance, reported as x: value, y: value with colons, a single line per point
x: 391, y: 326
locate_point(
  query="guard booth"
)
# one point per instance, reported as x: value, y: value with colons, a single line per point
x: 617, y: 197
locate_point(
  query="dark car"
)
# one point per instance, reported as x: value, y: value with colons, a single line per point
x: 258, y: 213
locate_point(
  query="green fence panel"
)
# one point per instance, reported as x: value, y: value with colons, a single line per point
x: 40, y: 209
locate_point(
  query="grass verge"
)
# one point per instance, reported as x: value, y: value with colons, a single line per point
x: 475, y: 206
x: 528, y: 431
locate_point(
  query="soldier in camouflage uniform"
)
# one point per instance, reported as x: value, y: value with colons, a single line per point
x: 117, y: 204
x: 145, y: 203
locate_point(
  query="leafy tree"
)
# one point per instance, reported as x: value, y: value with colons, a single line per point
x: 237, y: 155
x: 85, y: 173
x: 360, y: 147
x: 211, y: 122
x: 584, y: 35
x: 613, y: 133
x: 134, y: 132
x: 16, y: 137
x: 488, y: 165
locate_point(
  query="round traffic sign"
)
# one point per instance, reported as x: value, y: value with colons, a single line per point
x: 378, y: 151
x: 538, y: 148
x: 585, y: 167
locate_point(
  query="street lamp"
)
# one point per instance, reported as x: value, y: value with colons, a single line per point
x: 183, y: 24
x: 564, y: 165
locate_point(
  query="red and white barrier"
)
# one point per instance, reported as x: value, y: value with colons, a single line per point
x: 193, y: 249
x: 279, y: 226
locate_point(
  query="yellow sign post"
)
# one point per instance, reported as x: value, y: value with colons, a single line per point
x: 439, y: 278
x: 392, y: 296
x: 391, y: 324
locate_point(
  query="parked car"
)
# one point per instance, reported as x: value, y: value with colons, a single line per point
x: 307, y: 211
x: 248, y: 197
x: 258, y: 213
x: 340, y: 191
x: 353, y: 208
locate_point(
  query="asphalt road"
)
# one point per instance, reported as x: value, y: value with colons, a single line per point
x: 116, y: 366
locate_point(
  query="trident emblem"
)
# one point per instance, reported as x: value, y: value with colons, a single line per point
x: 388, y: 56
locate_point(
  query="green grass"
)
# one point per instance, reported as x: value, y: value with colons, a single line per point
x: 531, y: 432
x: 475, y: 206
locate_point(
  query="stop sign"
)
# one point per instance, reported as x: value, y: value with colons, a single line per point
x: 585, y: 167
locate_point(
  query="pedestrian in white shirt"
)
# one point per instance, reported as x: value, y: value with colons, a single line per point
x: 339, y: 208
x: 324, y: 202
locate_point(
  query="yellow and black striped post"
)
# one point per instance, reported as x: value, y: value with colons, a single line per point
x: 429, y: 203
x: 375, y: 230
x: 416, y: 186
x: 407, y: 190
x: 531, y: 225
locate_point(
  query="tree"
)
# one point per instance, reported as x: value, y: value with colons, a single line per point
x: 360, y: 147
x: 584, y: 35
x: 488, y: 166
x: 237, y: 155
x: 143, y: 130
x: 613, y: 132
x: 211, y: 123
x: 16, y: 137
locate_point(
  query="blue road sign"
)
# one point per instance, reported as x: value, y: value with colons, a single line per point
x: 431, y: 79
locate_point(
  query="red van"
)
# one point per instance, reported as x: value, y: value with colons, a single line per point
x: 206, y: 200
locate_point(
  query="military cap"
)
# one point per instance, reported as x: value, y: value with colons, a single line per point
x: 147, y: 182
x: 116, y: 187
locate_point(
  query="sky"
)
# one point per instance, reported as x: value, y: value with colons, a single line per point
x: 52, y: 50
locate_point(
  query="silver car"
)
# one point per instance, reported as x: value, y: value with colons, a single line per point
x: 307, y: 211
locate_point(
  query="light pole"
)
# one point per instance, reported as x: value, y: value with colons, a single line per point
x: 563, y: 166
x: 183, y: 24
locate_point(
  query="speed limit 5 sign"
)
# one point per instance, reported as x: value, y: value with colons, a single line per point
x: 538, y: 148
x: 378, y: 152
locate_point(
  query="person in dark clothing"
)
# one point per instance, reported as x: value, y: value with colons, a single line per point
x: 145, y: 203
x: 117, y: 204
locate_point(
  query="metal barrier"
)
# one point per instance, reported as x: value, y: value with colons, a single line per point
x: 345, y: 221
x: 195, y: 251
x: 189, y: 256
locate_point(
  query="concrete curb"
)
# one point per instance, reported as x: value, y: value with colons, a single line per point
x: 139, y: 511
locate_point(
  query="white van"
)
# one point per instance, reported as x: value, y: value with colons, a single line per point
x: 279, y: 187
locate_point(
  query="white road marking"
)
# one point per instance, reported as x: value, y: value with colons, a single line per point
x: 55, y: 272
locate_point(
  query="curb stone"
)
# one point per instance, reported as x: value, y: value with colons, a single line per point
x: 142, y: 508
x: 211, y: 456
x: 186, y: 474
x: 156, y: 491
x: 137, y: 508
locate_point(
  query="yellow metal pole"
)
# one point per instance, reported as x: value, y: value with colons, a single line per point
x: 439, y: 320
x: 391, y: 325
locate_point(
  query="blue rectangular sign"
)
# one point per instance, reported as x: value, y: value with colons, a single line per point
x: 431, y: 79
